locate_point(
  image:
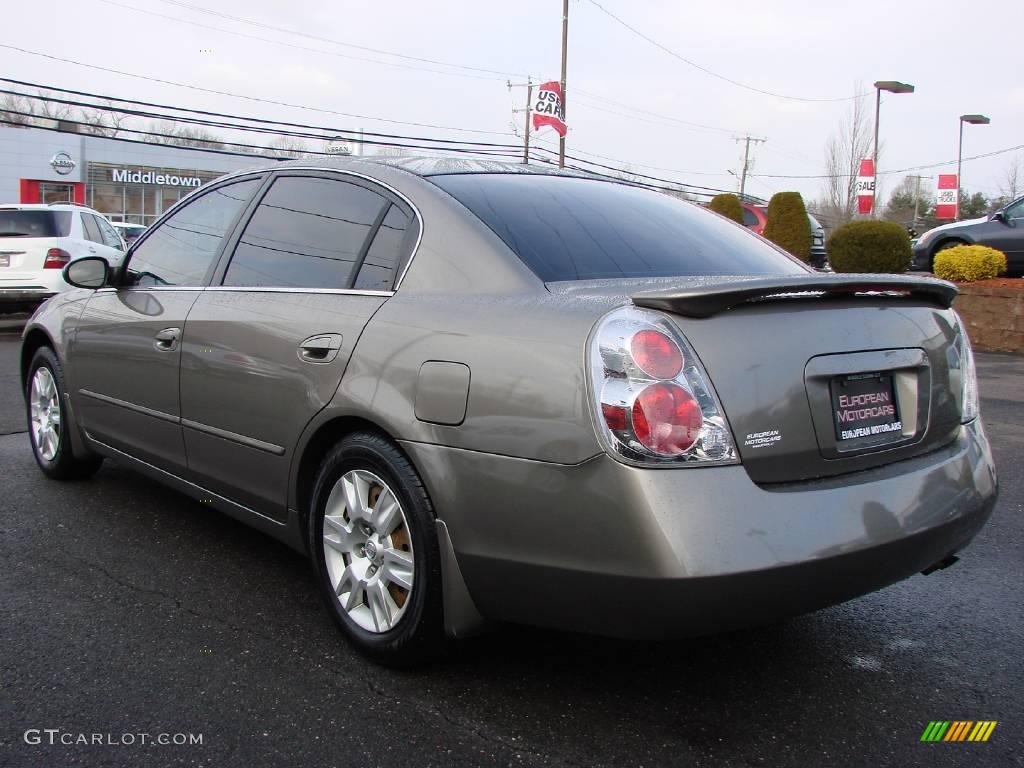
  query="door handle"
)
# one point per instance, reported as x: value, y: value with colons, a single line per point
x: 91, y: 249
x: 322, y: 348
x: 167, y: 339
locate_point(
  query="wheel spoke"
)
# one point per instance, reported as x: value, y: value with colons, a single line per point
x: 397, y: 568
x: 338, y: 534
x: 387, y: 514
x: 350, y: 584
x: 382, y: 606
x: 356, y: 490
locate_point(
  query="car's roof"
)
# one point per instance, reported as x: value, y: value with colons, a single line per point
x: 44, y: 207
x: 421, y: 166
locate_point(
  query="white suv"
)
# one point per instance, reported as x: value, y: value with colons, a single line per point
x: 37, y: 241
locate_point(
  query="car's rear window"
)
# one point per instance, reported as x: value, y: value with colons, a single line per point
x: 34, y: 223
x: 567, y: 228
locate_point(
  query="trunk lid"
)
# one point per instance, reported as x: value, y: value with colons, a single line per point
x: 824, y: 375
x: 22, y: 258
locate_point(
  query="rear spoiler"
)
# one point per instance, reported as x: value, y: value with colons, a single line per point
x: 714, y: 297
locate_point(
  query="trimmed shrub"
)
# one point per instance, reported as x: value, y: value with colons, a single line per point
x: 727, y: 205
x: 788, y: 226
x: 967, y: 263
x: 869, y: 246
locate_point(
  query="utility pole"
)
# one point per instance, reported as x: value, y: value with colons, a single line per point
x: 746, y: 161
x: 528, y: 111
x: 565, y: 51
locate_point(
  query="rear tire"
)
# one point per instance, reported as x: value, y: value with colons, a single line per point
x: 48, y: 425
x: 375, y: 551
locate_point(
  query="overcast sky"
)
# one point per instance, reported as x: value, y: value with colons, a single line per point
x: 958, y: 55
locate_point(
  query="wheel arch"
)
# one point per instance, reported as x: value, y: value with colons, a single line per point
x: 35, y: 338
x: 461, y: 616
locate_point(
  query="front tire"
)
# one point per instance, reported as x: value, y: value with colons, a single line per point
x: 375, y: 551
x: 48, y: 425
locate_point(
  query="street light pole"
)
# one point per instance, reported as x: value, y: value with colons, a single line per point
x: 892, y: 86
x: 973, y: 120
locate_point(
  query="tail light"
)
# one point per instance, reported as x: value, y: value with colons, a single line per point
x: 654, y: 405
x: 961, y: 358
x: 56, y: 258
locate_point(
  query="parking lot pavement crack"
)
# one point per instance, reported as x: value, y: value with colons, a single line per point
x: 15, y: 432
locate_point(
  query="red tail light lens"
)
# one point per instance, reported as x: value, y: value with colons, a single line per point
x: 667, y: 419
x: 56, y: 258
x: 656, y: 354
x: 654, y: 403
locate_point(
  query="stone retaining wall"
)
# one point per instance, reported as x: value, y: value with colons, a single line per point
x: 994, y: 314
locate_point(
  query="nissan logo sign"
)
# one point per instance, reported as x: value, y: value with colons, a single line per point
x: 62, y: 163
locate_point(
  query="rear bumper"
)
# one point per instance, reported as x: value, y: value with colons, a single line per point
x: 920, y: 261
x: 24, y: 295
x: 615, y: 550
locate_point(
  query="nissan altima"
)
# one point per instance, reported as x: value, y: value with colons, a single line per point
x: 478, y: 393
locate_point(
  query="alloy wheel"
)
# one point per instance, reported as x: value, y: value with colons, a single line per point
x: 368, y: 550
x: 44, y: 413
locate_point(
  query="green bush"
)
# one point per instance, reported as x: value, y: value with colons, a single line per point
x: 788, y: 226
x: 727, y: 205
x: 966, y: 263
x: 869, y: 246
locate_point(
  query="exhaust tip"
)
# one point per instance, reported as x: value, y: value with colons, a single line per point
x: 945, y: 562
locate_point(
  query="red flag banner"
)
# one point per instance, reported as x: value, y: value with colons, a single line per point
x: 547, y: 107
x: 865, y: 186
x: 947, y: 198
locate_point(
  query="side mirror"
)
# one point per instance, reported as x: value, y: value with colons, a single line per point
x: 89, y: 272
x: 999, y: 216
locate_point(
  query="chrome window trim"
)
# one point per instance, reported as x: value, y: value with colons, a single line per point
x: 355, y: 174
x: 243, y: 289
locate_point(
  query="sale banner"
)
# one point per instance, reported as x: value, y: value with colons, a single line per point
x: 865, y: 186
x: 947, y: 197
x: 547, y: 107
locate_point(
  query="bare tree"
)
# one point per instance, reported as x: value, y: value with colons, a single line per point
x: 287, y: 146
x: 184, y: 135
x: 101, y: 121
x: 34, y: 110
x: 843, y: 153
x: 1013, y: 183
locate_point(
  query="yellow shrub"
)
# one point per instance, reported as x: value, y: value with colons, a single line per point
x: 967, y: 263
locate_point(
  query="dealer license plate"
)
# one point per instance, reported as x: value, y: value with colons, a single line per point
x: 5, y: 260
x: 864, y: 405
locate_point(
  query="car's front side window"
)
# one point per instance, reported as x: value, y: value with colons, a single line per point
x: 307, y: 232
x: 1016, y: 211
x: 107, y: 232
x: 92, y: 232
x: 182, y: 248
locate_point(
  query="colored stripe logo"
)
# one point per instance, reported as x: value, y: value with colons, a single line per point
x: 959, y: 730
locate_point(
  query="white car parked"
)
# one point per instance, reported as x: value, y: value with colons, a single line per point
x: 37, y: 241
x: 130, y: 232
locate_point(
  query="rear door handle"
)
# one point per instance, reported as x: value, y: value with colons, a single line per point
x: 322, y: 348
x: 167, y: 339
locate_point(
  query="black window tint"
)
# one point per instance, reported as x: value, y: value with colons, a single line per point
x: 35, y: 223
x: 306, y: 233
x: 749, y: 219
x: 92, y: 232
x: 567, y: 228
x: 181, y: 249
x: 110, y: 237
x: 378, y: 270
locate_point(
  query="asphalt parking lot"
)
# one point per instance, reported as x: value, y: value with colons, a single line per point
x: 127, y: 608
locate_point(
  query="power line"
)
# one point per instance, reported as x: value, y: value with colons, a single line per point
x: 925, y: 167
x: 236, y: 33
x: 634, y: 108
x: 159, y: 134
x: 263, y: 121
x: 298, y: 33
x: 707, y: 71
x: 247, y: 98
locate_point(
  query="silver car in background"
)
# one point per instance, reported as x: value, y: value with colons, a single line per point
x: 476, y: 393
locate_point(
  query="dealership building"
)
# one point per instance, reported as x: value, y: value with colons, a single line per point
x: 125, y: 181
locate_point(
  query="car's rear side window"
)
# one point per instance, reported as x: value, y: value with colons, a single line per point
x: 377, y: 272
x: 34, y: 223
x: 568, y: 228
x: 307, y: 232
